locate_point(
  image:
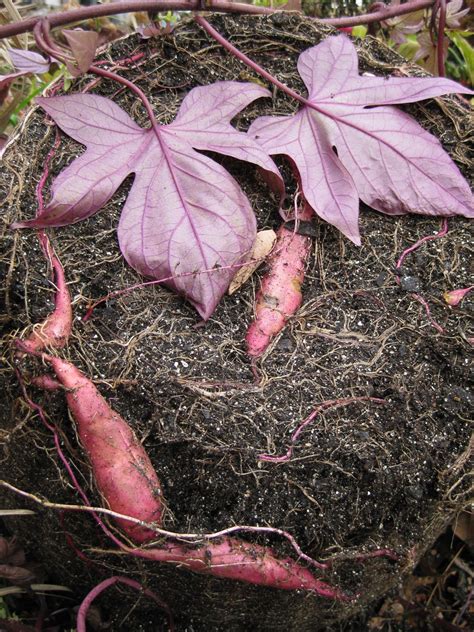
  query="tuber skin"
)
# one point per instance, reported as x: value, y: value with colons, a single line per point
x: 54, y: 332
x: 122, y: 469
x: 280, y: 295
x: 235, y: 559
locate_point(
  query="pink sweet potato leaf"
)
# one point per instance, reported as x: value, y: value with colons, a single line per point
x: 184, y: 213
x: 344, y: 147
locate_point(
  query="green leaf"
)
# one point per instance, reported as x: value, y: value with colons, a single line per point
x: 467, y: 51
x: 359, y: 31
x: 408, y: 49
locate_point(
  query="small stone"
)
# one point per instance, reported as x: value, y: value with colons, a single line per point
x: 285, y: 344
x: 410, y: 284
x: 415, y: 492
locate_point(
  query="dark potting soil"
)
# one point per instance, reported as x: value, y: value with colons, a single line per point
x: 362, y: 476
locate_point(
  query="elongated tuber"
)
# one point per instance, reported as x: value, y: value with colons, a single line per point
x: 122, y: 469
x: 280, y: 295
x: 235, y: 559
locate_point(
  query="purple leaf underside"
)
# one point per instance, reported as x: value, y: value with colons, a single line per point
x: 83, y: 45
x: 26, y: 61
x: 345, y: 150
x: 184, y: 214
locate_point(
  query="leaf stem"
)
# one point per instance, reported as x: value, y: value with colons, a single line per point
x: 249, y: 62
x: 107, y: 74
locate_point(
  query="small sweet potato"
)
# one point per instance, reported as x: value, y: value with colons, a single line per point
x: 280, y: 295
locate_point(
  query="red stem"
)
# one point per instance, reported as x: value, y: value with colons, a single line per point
x: 130, y: 6
x: 142, y: 284
x: 378, y: 16
x: 333, y: 403
x: 246, y: 60
x: 222, y: 6
x: 440, y: 38
x: 431, y: 320
x: 44, y: 42
x: 441, y: 233
x: 95, y: 592
x: 131, y: 86
x: 44, y: 176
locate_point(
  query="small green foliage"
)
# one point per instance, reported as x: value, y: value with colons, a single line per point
x: 359, y: 31
x: 3, y: 609
x: 461, y: 60
x: 275, y: 4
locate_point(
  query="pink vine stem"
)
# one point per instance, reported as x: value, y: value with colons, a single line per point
x: 440, y: 35
x: 111, y: 581
x: 249, y: 62
x: 332, y: 403
x: 443, y: 231
x: 427, y: 308
x: 44, y: 175
x: 223, y: 6
x: 437, y: 35
x: 142, y: 284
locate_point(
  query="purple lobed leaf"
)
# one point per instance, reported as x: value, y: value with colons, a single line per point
x: 25, y: 62
x: 184, y: 214
x: 204, y: 120
x: 397, y: 166
x: 383, y: 155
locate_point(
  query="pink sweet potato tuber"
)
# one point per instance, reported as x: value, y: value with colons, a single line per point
x: 122, y: 469
x: 280, y: 295
x: 235, y: 559
x: 54, y: 332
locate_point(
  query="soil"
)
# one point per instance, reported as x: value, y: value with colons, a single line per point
x: 362, y: 476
